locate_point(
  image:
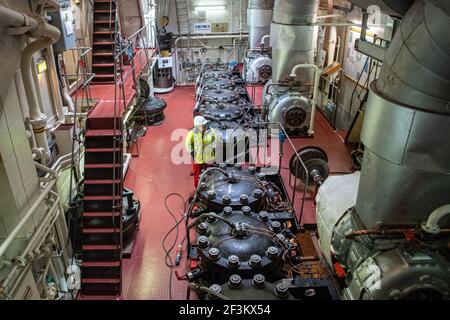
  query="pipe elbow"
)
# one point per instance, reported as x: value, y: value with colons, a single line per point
x: 432, y: 224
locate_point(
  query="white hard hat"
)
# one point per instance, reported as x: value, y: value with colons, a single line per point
x: 199, y: 121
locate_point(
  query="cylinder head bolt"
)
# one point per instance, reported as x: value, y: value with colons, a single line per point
x: 211, y: 194
x: 276, y: 226
x: 263, y: 216
x: 243, y: 198
x: 255, y: 261
x: 226, y: 199
x: 202, y: 242
x: 227, y: 211
x: 235, y: 281
x: 216, y: 289
x: 233, y: 262
x: 202, y: 228
x: 272, y: 253
x: 259, y: 281
x: 214, y: 254
x: 246, y: 210
x: 211, y: 219
x: 281, y: 290
x: 257, y: 193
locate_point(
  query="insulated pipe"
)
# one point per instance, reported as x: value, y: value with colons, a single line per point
x: 49, y: 35
x: 406, y: 169
x: 37, y: 119
x: 259, y: 17
x: 317, y: 72
x: 293, y: 37
x: 16, y: 19
x: 432, y: 224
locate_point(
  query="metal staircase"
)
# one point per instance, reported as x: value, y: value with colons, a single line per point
x: 103, y: 41
x: 101, y: 272
x: 183, y: 17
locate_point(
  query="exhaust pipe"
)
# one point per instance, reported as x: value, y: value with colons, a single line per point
x: 293, y: 37
x: 406, y: 169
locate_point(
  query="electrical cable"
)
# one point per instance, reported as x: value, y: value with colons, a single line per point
x: 168, y: 259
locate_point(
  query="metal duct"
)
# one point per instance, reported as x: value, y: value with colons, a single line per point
x: 293, y: 37
x: 406, y: 169
x: 259, y: 16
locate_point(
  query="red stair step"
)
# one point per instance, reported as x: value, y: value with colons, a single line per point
x: 108, y: 181
x: 103, y: 65
x: 100, y: 280
x: 101, y: 150
x: 100, y: 214
x: 98, y: 247
x: 102, y: 54
x: 104, y: 32
x: 105, y: 230
x: 103, y: 132
x: 102, y: 43
x: 101, y: 166
x: 101, y: 264
x: 101, y: 198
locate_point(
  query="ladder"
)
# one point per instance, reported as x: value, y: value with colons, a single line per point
x: 103, y: 41
x: 183, y: 17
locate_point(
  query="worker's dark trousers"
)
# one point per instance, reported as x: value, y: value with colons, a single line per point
x: 198, y: 167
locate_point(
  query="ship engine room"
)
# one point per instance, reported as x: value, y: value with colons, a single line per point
x: 283, y: 151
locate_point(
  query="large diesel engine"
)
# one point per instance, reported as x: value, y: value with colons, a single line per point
x: 389, y: 226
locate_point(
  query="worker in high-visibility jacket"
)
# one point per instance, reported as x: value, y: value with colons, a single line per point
x: 201, y: 143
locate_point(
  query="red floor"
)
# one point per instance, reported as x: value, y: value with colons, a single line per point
x: 152, y: 176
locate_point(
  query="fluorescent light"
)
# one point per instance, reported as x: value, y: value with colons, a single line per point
x: 210, y: 8
x: 41, y: 65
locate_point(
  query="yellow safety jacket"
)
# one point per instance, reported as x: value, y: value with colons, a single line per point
x: 201, y: 145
